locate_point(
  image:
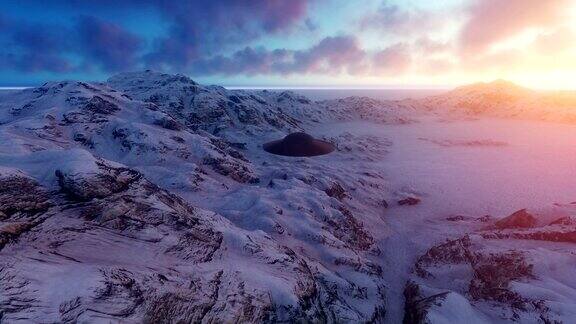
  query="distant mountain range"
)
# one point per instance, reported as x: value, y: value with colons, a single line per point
x: 505, y: 99
x: 499, y: 98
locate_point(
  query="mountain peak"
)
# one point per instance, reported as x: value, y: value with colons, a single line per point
x: 149, y: 78
x: 499, y: 86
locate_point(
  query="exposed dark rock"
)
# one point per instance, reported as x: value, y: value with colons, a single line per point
x: 545, y: 234
x: 168, y: 123
x: 11, y: 231
x: 410, y: 201
x: 455, y: 218
x: 493, y: 274
x: 484, y: 219
x: 384, y: 203
x: 519, y: 219
x: 362, y: 266
x: 178, y: 139
x: 22, y: 200
x: 230, y: 169
x: 98, y: 105
x: 336, y: 191
x: 567, y: 220
x: 20, y: 194
x: 351, y: 231
x: 450, y: 252
x: 198, y: 244
x: 113, y: 180
x: 416, y: 307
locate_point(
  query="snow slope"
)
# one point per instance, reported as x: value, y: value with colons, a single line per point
x: 89, y: 231
x: 504, y: 99
x: 148, y: 198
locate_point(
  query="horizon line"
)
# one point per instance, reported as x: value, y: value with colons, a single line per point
x: 327, y: 87
x: 235, y: 87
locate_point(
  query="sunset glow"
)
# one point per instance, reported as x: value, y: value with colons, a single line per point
x: 381, y: 43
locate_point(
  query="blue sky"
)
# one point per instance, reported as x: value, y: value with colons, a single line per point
x: 291, y: 43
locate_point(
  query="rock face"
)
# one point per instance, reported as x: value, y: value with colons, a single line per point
x: 519, y: 219
x: 110, y: 124
x: 211, y: 108
x: 491, y: 274
x: 21, y: 199
x: 146, y: 199
x: 410, y: 201
x: 500, y: 266
x: 136, y: 252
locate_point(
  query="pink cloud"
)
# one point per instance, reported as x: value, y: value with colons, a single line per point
x: 431, y: 46
x: 394, y: 59
x: 437, y: 66
x: 494, y: 20
x: 556, y: 41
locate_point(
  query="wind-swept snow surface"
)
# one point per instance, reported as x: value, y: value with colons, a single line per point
x: 148, y: 198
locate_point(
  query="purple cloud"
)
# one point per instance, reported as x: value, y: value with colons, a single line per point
x: 197, y: 31
x: 35, y: 47
x: 249, y: 61
x: 219, y: 25
x: 56, y: 48
x: 107, y: 44
x: 332, y: 55
x: 391, y: 18
x: 392, y: 60
x: 214, y: 40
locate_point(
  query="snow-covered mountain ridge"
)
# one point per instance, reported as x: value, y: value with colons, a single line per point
x: 148, y: 198
x: 92, y: 227
x: 504, y: 99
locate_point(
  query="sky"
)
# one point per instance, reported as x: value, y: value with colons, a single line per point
x: 293, y: 43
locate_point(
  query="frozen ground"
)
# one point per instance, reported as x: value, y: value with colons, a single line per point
x: 504, y: 164
x: 473, y: 167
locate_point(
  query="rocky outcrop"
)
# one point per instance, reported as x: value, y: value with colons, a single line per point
x: 336, y: 191
x: 101, y: 185
x: 115, y: 126
x: 105, y: 212
x: 88, y: 176
x: 480, y: 271
x: 213, y: 109
x: 20, y: 195
x: 492, y: 272
x: 416, y: 306
x: 410, y: 201
x: 519, y: 219
x: 22, y: 200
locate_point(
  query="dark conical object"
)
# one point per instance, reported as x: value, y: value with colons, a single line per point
x: 298, y: 144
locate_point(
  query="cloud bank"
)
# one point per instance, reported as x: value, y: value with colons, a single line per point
x: 279, y: 38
